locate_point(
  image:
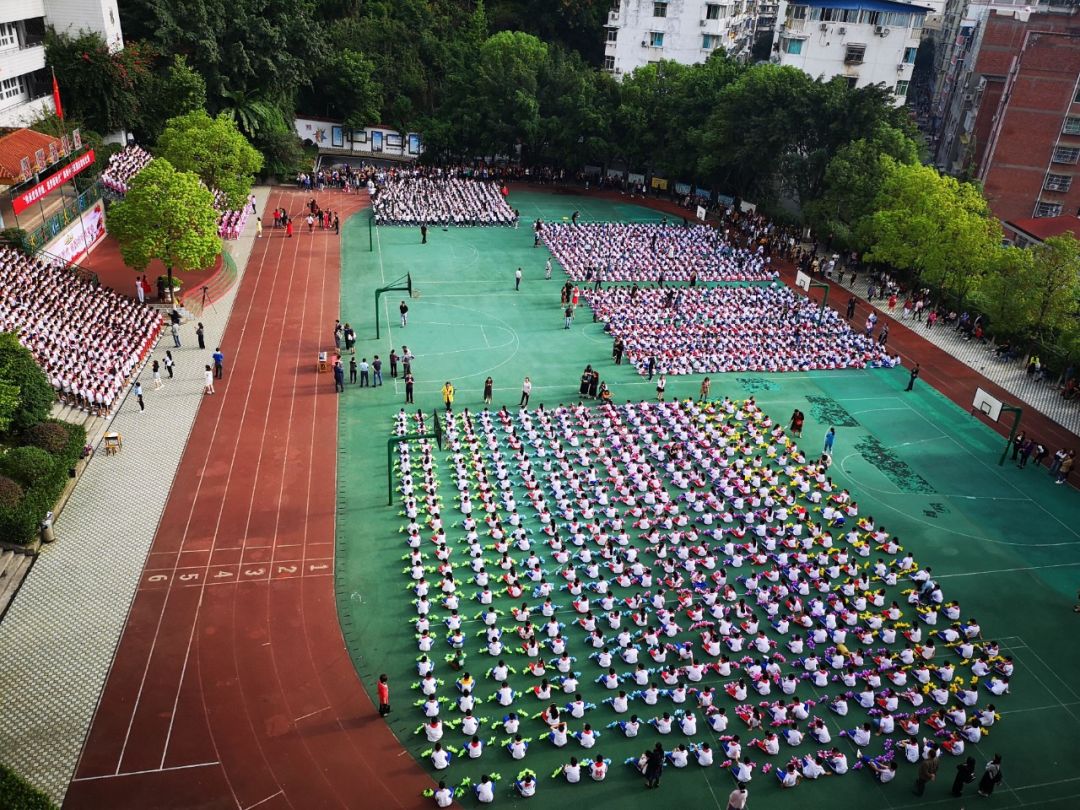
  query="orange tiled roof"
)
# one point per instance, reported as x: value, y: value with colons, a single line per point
x: 17, y: 144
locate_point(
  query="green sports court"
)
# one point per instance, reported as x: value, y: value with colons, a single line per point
x: 1002, y: 541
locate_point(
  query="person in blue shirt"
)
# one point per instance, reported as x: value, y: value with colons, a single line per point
x: 219, y: 363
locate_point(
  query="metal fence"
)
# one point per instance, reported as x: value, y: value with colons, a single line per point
x: 36, y: 239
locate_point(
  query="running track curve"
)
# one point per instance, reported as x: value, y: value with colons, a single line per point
x: 231, y: 686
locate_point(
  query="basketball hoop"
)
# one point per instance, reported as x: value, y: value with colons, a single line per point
x: 415, y: 293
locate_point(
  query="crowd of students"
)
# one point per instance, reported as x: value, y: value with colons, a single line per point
x: 749, y: 328
x: 123, y: 166
x: 87, y: 339
x: 407, y: 199
x: 654, y: 252
x: 128, y: 162
x: 701, y: 569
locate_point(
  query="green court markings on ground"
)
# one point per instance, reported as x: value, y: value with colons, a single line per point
x: 1003, y: 541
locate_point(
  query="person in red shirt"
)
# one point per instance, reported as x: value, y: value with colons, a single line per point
x: 384, y: 696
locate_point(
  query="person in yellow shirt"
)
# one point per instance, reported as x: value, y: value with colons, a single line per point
x: 448, y: 395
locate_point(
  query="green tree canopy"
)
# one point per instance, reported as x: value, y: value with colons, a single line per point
x: 175, y: 89
x: 99, y: 87
x: 933, y: 225
x: 852, y: 180
x: 166, y: 215
x: 214, y: 150
x: 20, y: 376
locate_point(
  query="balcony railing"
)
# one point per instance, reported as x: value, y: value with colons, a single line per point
x: 36, y: 239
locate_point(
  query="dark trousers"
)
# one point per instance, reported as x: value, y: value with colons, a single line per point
x: 352, y: 375
x: 408, y: 393
x: 524, y: 399
x: 384, y: 709
x: 219, y: 370
x: 363, y: 379
x: 920, y: 787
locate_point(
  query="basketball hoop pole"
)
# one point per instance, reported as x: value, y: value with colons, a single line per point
x: 1017, y: 414
x: 407, y: 278
x: 824, y: 298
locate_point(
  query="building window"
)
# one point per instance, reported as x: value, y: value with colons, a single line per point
x: 12, y: 88
x: 854, y: 54
x: 9, y: 36
x: 1062, y: 154
x: 1044, y: 209
x: 612, y: 34
x: 1072, y: 126
x: 1076, y: 98
x: 852, y: 82
x: 1058, y: 182
x: 609, y: 63
x: 712, y: 11
x: 909, y: 55
x: 900, y: 91
x: 656, y: 39
x: 792, y: 46
x: 659, y: 9
x: 710, y: 41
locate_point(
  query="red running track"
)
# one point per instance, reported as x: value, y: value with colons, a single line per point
x: 231, y: 686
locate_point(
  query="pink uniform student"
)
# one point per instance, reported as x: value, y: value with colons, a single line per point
x: 692, y: 331
x: 647, y: 252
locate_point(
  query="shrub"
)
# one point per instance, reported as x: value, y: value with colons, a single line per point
x: 10, y: 492
x: 18, y: 794
x: 36, y: 395
x: 31, y: 466
x: 19, y: 523
x: 51, y: 436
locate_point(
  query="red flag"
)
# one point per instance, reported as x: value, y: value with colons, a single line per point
x: 56, y: 97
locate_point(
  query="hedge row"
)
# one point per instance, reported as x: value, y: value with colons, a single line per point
x: 33, y: 475
x: 18, y: 794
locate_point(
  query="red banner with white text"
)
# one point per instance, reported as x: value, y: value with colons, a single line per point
x: 52, y: 183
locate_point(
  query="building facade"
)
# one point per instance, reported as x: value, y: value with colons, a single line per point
x: 867, y: 42
x: 639, y: 32
x: 1026, y: 129
x: 25, y: 83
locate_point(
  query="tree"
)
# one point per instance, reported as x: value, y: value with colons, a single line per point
x: 100, y: 87
x: 1054, y: 287
x: 933, y: 225
x: 175, y: 89
x: 166, y: 215
x: 852, y: 179
x: 21, y: 374
x: 213, y: 149
x: 347, y: 89
x: 1001, y: 295
x: 504, y: 91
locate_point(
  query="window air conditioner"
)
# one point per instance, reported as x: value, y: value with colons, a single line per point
x: 879, y: 30
x: 841, y: 30
x: 823, y: 27
x: 702, y: 23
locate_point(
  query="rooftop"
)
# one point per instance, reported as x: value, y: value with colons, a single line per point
x: 16, y: 144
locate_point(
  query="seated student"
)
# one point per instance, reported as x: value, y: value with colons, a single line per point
x: 884, y: 770
x: 485, y: 790
x: 789, y: 777
x: 526, y: 785
x: 742, y: 771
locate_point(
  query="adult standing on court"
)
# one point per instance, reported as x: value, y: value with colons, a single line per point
x: 654, y: 766
x: 404, y: 310
x: 526, y: 389
x: 384, y: 696
x: 448, y: 395
x: 393, y: 363
x: 736, y: 800
x: 409, y: 379
x: 661, y: 385
x: 928, y: 768
x: 568, y: 317
x: 706, y: 386
x: 830, y: 437
x: 200, y: 333
x: 376, y: 371
x: 991, y: 776
x: 406, y: 359
x: 423, y: 234
x: 219, y: 363
x: 965, y: 775
x: 488, y: 386
x: 914, y: 375
x: 517, y: 279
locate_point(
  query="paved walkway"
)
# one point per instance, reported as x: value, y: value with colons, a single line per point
x: 58, y: 640
x: 1044, y: 396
